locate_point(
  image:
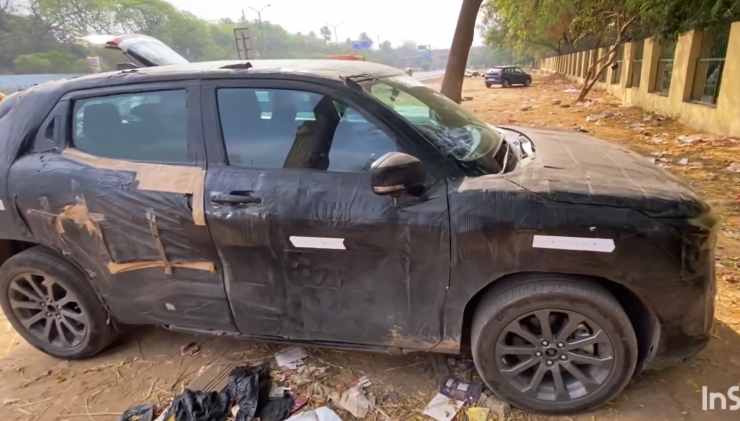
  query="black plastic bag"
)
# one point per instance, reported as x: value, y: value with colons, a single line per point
x: 245, y: 388
x: 139, y: 413
x: 276, y: 409
x: 199, y: 406
x: 248, y: 388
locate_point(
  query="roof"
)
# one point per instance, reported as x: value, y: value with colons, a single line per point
x: 330, y: 69
x: 13, y: 83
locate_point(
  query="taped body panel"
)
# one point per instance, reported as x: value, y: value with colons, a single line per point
x: 98, y: 217
x: 154, y: 177
x: 323, y: 258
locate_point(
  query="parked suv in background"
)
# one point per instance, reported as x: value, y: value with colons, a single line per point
x: 507, y: 76
x: 345, y: 204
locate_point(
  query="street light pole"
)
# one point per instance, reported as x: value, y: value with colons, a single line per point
x: 259, y: 23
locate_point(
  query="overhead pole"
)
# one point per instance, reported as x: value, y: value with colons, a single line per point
x: 259, y: 25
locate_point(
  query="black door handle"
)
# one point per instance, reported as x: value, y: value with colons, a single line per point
x: 235, y: 198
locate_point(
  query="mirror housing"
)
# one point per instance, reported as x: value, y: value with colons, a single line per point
x: 395, y: 173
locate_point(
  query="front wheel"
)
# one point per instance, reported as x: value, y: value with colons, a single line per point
x: 51, y: 305
x: 553, y: 345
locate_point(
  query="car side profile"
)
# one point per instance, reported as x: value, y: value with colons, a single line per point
x: 345, y: 204
x: 507, y: 76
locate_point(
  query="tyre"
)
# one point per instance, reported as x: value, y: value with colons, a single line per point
x: 488, y: 85
x: 528, y: 82
x: 553, y: 345
x: 52, y: 306
x: 505, y: 84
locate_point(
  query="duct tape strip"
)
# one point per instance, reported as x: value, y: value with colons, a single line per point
x: 599, y: 245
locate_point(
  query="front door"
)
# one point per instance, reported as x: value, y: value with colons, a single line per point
x: 309, y: 251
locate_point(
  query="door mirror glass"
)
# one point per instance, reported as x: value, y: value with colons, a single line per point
x: 396, y: 172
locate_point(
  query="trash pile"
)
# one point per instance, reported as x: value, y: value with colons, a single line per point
x: 283, y: 389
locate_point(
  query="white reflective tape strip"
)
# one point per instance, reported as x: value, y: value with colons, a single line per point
x: 601, y: 245
x: 2, y: 206
x: 318, y: 243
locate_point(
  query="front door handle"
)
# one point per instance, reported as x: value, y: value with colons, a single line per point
x: 235, y: 198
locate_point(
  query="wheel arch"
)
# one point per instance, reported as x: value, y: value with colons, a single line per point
x: 643, y: 318
x: 10, y: 248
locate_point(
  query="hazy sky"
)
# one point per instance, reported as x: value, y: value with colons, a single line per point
x: 423, y: 21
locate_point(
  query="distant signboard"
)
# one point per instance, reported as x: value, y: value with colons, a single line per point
x: 364, y: 44
x: 245, y: 45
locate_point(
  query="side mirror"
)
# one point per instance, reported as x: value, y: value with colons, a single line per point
x: 396, y: 172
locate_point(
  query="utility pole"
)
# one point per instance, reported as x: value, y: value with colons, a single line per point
x: 259, y: 23
x: 334, y: 27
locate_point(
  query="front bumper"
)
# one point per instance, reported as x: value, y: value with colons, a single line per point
x: 686, y: 314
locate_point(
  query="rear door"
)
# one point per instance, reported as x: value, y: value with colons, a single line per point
x: 115, y: 180
x: 309, y: 251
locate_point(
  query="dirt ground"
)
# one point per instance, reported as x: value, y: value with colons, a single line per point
x: 147, y: 364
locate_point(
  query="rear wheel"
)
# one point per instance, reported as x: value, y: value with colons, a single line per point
x: 50, y: 303
x: 527, y: 82
x: 553, y: 345
x: 505, y: 83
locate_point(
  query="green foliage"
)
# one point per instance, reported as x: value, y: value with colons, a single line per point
x: 50, y: 62
x: 546, y: 27
x: 46, y: 37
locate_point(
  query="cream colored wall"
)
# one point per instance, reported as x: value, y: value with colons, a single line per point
x: 722, y: 118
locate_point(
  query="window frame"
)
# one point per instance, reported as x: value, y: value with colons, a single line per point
x: 407, y: 139
x: 725, y: 31
x: 196, y: 151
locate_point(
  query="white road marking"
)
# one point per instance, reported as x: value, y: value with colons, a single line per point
x: 318, y: 243
x: 2, y: 206
x: 600, y: 245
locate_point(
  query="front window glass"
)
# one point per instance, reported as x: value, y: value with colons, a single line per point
x: 279, y: 128
x: 452, y: 130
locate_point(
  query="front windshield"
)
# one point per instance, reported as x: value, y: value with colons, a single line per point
x: 453, y: 130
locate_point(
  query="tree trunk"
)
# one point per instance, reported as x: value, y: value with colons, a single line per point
x: 602, y: 63
x: 458, y: 60
x: 595, y: 71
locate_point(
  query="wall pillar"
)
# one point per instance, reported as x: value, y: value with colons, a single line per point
x: 650, y: 57
x: 688, y: 50
x: 728, y: 102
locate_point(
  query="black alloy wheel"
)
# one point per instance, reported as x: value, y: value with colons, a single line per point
x: 555, y: 355
x: 48, y: 310
x: 553, y: 344
x: 53, y: 306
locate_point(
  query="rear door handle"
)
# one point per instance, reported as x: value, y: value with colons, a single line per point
x: 235, y: 198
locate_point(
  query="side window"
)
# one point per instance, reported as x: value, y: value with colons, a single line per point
x: 276, y: 128
x: 146, y: 126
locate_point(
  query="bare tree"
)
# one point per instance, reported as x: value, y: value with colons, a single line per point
x: 458, y: 60
x: 602, y: 63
